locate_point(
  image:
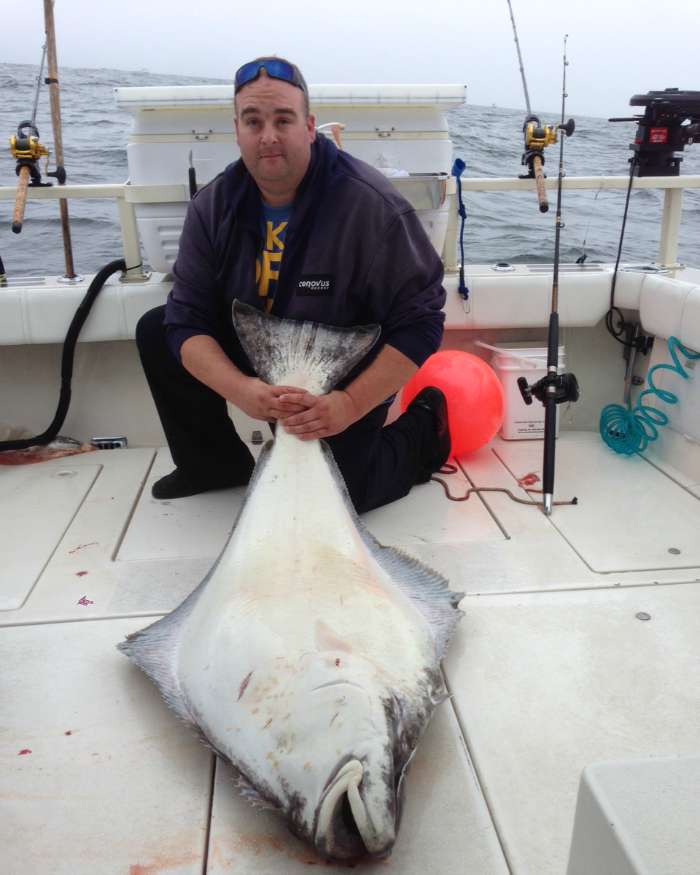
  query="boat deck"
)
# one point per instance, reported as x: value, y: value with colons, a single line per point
x: 580, y: 643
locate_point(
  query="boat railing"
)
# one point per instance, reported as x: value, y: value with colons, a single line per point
x: 672, y: 186
x: 128, y: 196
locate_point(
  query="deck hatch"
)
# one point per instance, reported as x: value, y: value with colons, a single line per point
x: 630, y: 517
x: 37, y: 504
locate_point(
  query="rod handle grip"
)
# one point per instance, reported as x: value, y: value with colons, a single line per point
x: 539, y: 182
x: 20, y: 199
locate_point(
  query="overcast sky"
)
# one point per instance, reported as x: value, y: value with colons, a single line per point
x: 616, y: 48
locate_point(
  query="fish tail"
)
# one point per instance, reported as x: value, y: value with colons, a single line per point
x: 307, y: 354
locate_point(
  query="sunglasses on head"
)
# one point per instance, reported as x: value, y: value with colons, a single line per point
x: 274, y: 67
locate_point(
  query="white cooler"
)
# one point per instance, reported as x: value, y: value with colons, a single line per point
x: 511, y: 361
x: 400, y: 129
x: 638, y: 817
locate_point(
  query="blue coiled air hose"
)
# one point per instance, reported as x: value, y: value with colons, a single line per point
x: 629, y: 430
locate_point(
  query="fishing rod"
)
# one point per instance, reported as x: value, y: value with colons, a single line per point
x: 536, y: 135
x: 60, y: 172
x: 27, y: 150
x: 38, y: 84
x: 553, y: 388
x: 520, y: 59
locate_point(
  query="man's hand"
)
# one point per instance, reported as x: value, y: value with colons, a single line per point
x: 322, y: 416
x: 270, y: 403
x: 307, y: 416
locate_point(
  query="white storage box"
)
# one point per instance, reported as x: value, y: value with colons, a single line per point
x: 638, y: 817
x: 511, y: 361
x: 397, y: 127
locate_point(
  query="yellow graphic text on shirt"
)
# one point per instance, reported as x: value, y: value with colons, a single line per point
x: 269, y: 260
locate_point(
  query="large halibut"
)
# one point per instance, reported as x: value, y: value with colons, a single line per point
x: 309, y: 656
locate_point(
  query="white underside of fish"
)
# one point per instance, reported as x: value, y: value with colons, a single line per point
x: 309, y: 656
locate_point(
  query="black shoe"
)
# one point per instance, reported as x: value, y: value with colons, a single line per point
x: 179, y: 484
x: 438, y: 450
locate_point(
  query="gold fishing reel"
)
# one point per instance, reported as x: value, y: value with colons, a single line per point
x: 539, y: 136
x: 27, y: 150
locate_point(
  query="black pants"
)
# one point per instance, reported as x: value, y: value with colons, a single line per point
x: 379, y: 464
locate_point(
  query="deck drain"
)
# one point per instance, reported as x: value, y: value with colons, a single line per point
x: 674, y: 551
x: 642, y: 615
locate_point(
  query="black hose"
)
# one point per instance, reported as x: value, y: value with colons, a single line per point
x: 613, y: 311
x: 67, y: 357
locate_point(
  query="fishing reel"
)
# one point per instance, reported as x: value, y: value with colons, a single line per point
x: 671, y: 121
x: 27, y: 150
x: 566, y: 388
x: 537, y: 138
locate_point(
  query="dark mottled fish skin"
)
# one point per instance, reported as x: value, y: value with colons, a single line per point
x: 270, y: 342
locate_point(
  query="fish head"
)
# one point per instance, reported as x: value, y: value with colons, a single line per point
x: 343, y: 761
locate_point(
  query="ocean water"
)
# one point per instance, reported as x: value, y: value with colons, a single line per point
x: 501, y: 226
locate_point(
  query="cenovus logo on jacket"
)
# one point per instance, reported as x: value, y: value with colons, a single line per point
x: 315, y: 284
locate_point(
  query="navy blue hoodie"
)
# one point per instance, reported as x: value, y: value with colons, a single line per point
x: 355, y: 253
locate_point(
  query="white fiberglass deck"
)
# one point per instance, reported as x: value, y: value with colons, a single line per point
x: 581, y: 643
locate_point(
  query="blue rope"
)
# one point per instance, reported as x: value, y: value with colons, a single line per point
x: 629, y: 430
x: 457, y: 170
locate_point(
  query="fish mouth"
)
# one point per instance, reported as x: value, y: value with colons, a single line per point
x: 344, y: 830
x: 338, y: 683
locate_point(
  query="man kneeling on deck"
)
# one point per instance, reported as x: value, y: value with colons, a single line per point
x: 307, y: 232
